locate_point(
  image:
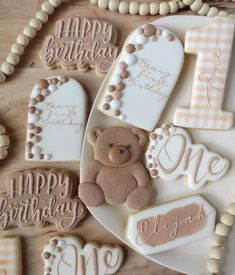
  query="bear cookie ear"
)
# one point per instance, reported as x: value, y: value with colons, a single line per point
x: 93, y: 134
x: 141, y: 136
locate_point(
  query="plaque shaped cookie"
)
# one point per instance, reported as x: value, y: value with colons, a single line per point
x: 56, y: 120
x: 67, y: 255
x: 10, y: 256
x: 81, y: 43
x: 40, y: 197
x: 171, y: 225
x: 171, y: 154
x: 147, y: 69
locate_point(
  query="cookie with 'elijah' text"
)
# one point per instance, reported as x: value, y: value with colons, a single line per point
x: 4, y: 143
x: 81, y: 43
x: 56, y: 120
x: 115, y: 175
x: 170, y: 225
x: 68, y: 255
x: 39, y: 197
x: 10, y: 256
x: 144, y: 77
x: 171, y: 154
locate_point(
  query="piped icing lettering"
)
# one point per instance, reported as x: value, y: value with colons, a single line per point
x: 213, y: 46
x: 82, y: 43
x: 171, y: 154
x: 144, y: 78
x: 170, y: 225
x: 41, y: 196
x: 67, y: 255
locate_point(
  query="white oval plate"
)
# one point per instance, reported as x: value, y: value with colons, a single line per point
x: 191, y: 258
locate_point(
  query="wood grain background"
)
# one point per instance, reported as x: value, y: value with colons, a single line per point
x: 14, y: 95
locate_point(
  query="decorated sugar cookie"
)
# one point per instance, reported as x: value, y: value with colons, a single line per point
x: 213, y: 46
x: 144, y: 77
x: 170, y: 225
x: 10, y: 256
x: 171, y: 154
x: 39, y: 197
x: 115, y: 175
x: 56, y: 120
x: 4, y: 143
x: 81, y: 43
x: 67, y: 255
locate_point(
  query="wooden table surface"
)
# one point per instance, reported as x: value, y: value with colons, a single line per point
x: 14, y: 95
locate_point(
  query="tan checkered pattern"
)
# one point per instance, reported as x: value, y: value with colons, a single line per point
x: 9, y: 256
x: 213, y: 46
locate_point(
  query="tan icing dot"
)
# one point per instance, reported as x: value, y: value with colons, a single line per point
x: 170, y: 37
x: 159, y: 32
x: 54, y: 81
x: 58, y: 249
x: 43, y: 84
x: 122, y: 65
x: 38, y: 111
x: 46, y: 255
x: 117, y: 95
x: 130, y: 48
x: 154, y: 165
x: 149, y: 165
x: 41, y: 156
x: 124, y: 74
x: 29, y: 144
x: 149, y: 30
x: 159, y: 137
x: 37, y: 130
x: 64, y: 79
x: 111, y: 88
x: 154, y: 172
x: 40, y: 98
x: 45, y: 92
x: 153, y: 136
x: 149, y: 156
x: 117, y: 112
x: 106, y: 106
x: 36, y: 139
x: 32, y: 109
x: 54, y: 242
x: 140, y: 30
x: 154, y: 38
x: 31, y: 135
x: 108, y: 98
x: 138, y: 46
x: 48, y: 269
x: 30, y: 156
x: 120, y: 86
x: 30, y: 126
x: 33, y: 101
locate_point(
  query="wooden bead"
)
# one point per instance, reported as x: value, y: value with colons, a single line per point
x: 2, y: 77
x: 13, y: 59
x: 123, y: 7
x: 188, y: 2
x: 223, y: 14
x: 215, y: 253
x: 47, y: 7
x: 217, y: 240
x: 55, y: 3
x: 17, y: 49
x: 204, y: 9
x: 232, y: 15
x: 4, y: 140
x: 35, y: 23
x: 144, y: 9
x: 103, y: 4
x: 228, y: 219
x: 222, y: 229
x: 7, y: 68
x: 42, y: 16
x: 212, y: 265
x: 134, y: 8
x: 181, y: 5
x: 23, y: 40
x: 196, y: 5
x: 29, y: 31
x: 154, y: 8
x: 231, y: 208
x: 164, y: 8
x: 213, y: 11
x: 3, y: 153
x: 173, y: 6
x: 2, y: 130
x: 113, y: 5
x: 94, y: 2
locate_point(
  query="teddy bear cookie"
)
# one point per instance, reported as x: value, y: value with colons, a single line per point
x: 10, y: 256
x: 4, y: 143
x: 56, y: 120
x: 144, y: 77
x: 81, y: 43
x: 68, y: 255
x: 171, y: 225
x: 41, y: 197
x: 115, y: 175
x: 171, y: 154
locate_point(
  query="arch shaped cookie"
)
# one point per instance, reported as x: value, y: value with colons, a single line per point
x: 145, y: 74
x: 56, y: 120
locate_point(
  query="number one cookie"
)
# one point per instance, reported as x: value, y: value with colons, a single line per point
x: 213, y: 46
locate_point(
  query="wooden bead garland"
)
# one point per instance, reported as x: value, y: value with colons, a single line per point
x: 4, y: 143
x: 29, y: 32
